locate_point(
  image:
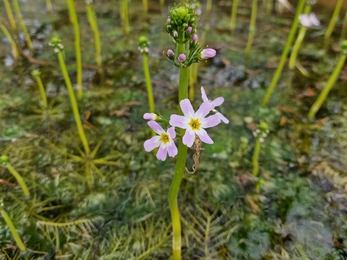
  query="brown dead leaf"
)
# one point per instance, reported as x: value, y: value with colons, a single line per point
x: 132, y: 103
x: 7, y: 183
x: 252, y: 126
x: 254, y: 205
x: 283, y: 120
x: 322, y: 120
x: 121, y: 112
x: 309, y: 92
x: 226, y: 62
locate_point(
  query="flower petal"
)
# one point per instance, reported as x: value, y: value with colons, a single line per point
x: 187, y: 107
x: 152, y: 143
x: 203, y: 94
x: 210, y: 121
x: 218, y: 101
x: 204, y: 109
x: 223, y: 118
x: 178, y: 121
x: 172, y: 149
x: 171, y: 132
x: 150, y: 116
x: 188, y: 138
x: 162, y: 152
x: 156, y: 127
x: 204, y: 137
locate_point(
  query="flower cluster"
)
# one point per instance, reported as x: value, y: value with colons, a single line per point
x: 193, y: 122
x: 181, y: 26
x: 308, y: 20
x: 56, y: 44
x: 143, y: 45
x: 262, y: 132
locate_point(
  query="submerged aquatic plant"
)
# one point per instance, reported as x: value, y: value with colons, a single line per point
x: 94, y: 25
x: 285, y: 52
x: 78, y: 53
x: 181, y: 26
x: 307, y: 21
x: 331, y: 81
x: 143, y: 48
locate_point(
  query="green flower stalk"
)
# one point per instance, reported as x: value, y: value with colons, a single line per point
x: 260, y: 135
x: 12, y: 229
x: 4, y: 159
x: 306, y: 20
x: 22, y: 24
x: 145, y: 6
x: 208, y: 6
x: 58, y: 49
x: 15, y: 51
x: 36, y: 74
x: 331, y: 81
x: 143, y: 48
x: 233, y: 15
x: 252, y: 27
x: 285, y: 52
x: 332, y: 22
x: 10, y: 15
x: 344, y: 28
x: 124, y: 13
x: 94, y: 25
x: 78, y: 53
x: 49, y: 5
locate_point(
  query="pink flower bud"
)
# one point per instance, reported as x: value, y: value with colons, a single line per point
x: 194, y: 38
x: 150, y: 116
x: 175, y: 33
x: 170, y: 52
x: 207, y: 53
x: 189, y: 29
x: 181, y: 57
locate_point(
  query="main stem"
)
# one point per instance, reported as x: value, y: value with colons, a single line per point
x: 255, y: 157
x: 332, y: 22
x: 74, y: 104
x: 252, y: 26
x: 148, y: 83
x: 285, y: 52
x: 180, y: 167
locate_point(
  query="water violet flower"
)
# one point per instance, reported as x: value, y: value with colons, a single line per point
x: 195, y: 122
x: 207, y: 53
x: 164, y: 140
x: 308, y: 20
x: 215, y: 103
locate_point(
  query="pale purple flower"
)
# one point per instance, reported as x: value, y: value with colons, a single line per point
x: 175, y: 33
x: 181, y: 57
x: 194, y: 38
x: 195, y: 122
x: 164, y: 140
x: 215, y: 103
x: 189, y: 29
x: 150, y: 116
x: 170, y: 52
x: 308, y: 20
x: 207, y: 53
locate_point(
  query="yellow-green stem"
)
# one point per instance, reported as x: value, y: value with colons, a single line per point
x: 233, y: 15
x: 125, y: 15
x: 252, y: 26
x: 323, y: 95
x: 41, y: 90
x: 299, y: 40
x: 332, y: 22
x: 255, y: 157
x: 269, y: 6
x: 208, y: 5
x: 19, y: 179
x: 13, y: 230
x: 344, y: 28
x: 22, y: 24
x: 145, y: 6
x: 180, y: 165
x: 73, y: 104
x: 94, y: 25
x: 284, y: 53
x: 15, y: 51
x: 148, y: 83
x: 78, y: 53
x: 10, y: 15
x: 192, y: 81
x: 49, y: 5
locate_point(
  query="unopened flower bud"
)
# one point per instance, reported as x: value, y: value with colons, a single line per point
x: 170, y: 52
x: 175, y: 33
x: 207, y: 53
x: 181, y: 57
x: 150, y: 116
x: 189, y: 29
x: 194, y: 38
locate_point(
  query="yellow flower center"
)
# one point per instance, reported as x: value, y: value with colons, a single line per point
x: 195, y: 124
x: 164, y: 138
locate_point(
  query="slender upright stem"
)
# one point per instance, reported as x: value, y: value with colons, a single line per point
x: 148, y: 83
x: 19, y: 179
x: 10, y: 15
x: 145, y: 6
x: 49, y: 5
x: 208, y: 6
x: 296, y: 47
x: 180, y: 166
x: 74, y: 21
x: 22, y: 24
x: 94, y: 25
x: 344, y: 28
x: 255, y: 157
x: 13, y: 230
x: 332, y: 22
x: 285, y: 52
x: 74, y: 104
x: 323, y: 95
x: 41, y: 89
x: 233, y: 15
x: 125, y: 15
x: 15, y: 51
x: 252, y: 26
